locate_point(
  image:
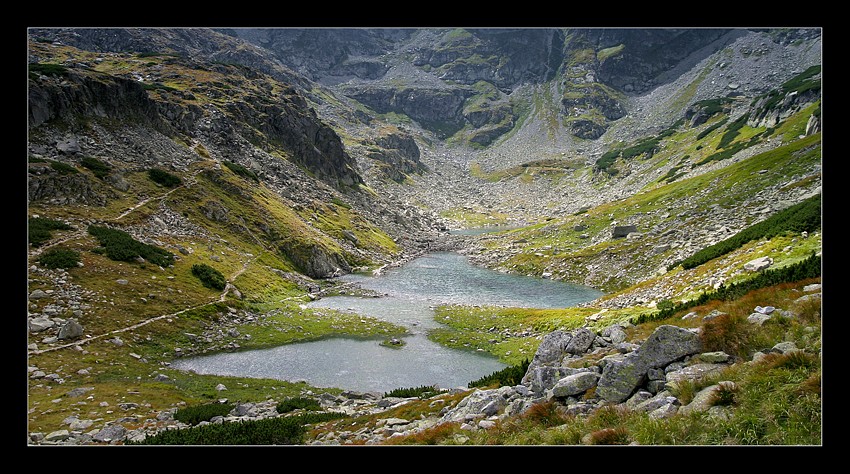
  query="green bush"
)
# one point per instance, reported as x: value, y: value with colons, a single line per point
x: 163, y: 178
x: 808, y: 268
x: 291, y: 404
x: 99, y: 168
x: 286, y: 430
x: 241, y: 170
x: 423, y: 391
x: 198, y: 413
x: 63, y: 168
x: 59, y: 258
x: 804, y: 216
x: 209, y: 276
x: 121, y: 246
x: 40, y: 229
x: 508, y: 376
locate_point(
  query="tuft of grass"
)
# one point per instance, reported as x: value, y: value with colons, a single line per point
x: 724, y: 395
x: 732, y: 334
x: 792, y: 360
x: 609, y: 436
x: 544, y: 414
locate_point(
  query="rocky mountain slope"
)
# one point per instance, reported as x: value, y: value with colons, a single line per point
x: 281, y: 158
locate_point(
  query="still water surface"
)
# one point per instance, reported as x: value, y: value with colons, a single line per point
x: 411, y: 292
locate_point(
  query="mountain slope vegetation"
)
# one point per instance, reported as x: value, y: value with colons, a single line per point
x: 189, y: 190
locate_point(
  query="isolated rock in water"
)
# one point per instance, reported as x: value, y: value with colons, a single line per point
x: 758, y: 264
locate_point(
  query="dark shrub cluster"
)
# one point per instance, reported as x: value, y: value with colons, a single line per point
x: 291, y: 404
x: 121, y: 246
x: 164, y: 178
x: 506, y: 377
x: 241, y: 170
x: 424, y: 391
x: 286, y: 430
x: 99, y: 168
x: 804, y: 216
x: 47, y: 69
x: 209, y: 276
x: 59, y: 258
x: 40, y: 229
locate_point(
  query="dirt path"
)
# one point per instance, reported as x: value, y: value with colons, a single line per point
x: 81, y: 233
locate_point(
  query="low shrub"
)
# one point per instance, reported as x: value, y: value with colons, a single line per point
x: 285, y: 430
x: 40, y: 229
x: 506, y: 377
x: 241, y: 170
x: 209, y: 276
x: 120, y: 246
x: 63, y: 168
x: 47, y: 69
x: 291, y: 404
x: 163, y: 178
x: 424, y: 391
x: 59, y: 258
x: 99, y: 168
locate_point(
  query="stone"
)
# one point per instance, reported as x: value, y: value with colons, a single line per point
x: 70, y: 330
x: 621, y: 231
x: 758, y: 264
x: 575, y: 384
x: 37, y: 294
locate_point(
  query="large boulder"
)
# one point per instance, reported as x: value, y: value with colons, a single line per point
x: 667, y: 344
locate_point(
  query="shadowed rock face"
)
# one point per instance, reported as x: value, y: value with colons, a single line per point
x: 646, y: 53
